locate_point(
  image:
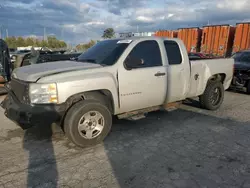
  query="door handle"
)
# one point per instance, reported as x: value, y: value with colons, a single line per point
x: 160, y: 74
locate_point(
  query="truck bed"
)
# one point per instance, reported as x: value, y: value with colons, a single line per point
x: 206, y: 68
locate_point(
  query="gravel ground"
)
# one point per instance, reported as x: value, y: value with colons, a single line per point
x: 189, y: 147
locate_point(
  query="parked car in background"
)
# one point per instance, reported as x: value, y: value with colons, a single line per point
x: 241, y: 77
x: 123, y: 77
x: 15, y: 59
x: 41, y: 56
x: 198, y: 55
x: 5, y: 66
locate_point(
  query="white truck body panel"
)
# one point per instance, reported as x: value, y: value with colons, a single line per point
x: 178, y: 77
x: 131, y: 89
x: 33, y: 73
x: 206, y: 69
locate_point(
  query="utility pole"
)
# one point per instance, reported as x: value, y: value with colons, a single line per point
x: 44, y: 34
x: 62, y: 33
x: 7, y: 33
x: 0, y: 31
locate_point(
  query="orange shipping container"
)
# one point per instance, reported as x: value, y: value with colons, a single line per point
x: 166, y: 33
x: 242, y: 37
x: 191, y: 38
x: 217, y: 40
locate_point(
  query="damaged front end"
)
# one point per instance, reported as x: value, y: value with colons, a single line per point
x: 241, y: 78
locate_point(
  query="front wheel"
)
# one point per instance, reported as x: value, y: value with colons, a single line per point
x: 87, y: 123
x: 213, y: 95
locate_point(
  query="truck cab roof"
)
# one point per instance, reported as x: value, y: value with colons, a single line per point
x: 145, y: 38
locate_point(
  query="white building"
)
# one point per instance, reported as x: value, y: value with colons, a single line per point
x: 28, y: 48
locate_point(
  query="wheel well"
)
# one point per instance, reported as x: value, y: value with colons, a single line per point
x: 218, y: 77
x: 103, y: 95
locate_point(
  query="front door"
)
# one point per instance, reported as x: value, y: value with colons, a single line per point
x: 146, y: 85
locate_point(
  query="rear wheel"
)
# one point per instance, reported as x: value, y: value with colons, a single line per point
x: 87, y: 123
x: 213, y: 96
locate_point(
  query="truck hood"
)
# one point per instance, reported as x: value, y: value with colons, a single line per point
x: 33, y: 72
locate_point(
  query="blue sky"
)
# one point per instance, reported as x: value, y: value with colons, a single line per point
x: 78, y: 21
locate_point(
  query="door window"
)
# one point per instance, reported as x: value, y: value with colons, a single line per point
x: 173, y: 52
x: 148, y: 52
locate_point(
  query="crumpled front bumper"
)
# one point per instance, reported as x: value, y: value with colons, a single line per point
x: 27, y: 116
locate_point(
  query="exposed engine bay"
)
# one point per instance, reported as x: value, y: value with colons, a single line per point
x: 241, y: 78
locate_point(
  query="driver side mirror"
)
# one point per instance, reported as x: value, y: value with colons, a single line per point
x: 133, y: 62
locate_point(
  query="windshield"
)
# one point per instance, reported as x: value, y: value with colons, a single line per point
x: 104, y: 52
x: 242, y: 57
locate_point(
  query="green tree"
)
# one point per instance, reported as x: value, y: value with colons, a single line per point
x: 62, y: 44
x: 37, y: 43
x: 108, y: 33
x: 44, y: 43
x: 52, y: 42
x: 11, y: 41
x: 83, y: 47
x: 20, y: 41
x: 30, y: 42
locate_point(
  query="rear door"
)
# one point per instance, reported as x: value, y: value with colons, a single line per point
x: 178, y: 72
x: 146, y: 85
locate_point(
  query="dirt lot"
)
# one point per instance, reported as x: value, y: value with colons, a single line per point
x: 189, y: 147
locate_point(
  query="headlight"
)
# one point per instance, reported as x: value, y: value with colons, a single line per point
x: 43, y: 93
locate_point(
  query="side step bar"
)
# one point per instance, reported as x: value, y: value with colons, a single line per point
x: 140, y: 114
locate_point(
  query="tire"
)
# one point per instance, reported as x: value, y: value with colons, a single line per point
x: 248, y: 87
x: 205, y: 99
x: 76, y: 113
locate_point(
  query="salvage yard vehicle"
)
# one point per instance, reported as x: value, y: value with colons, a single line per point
x: 5, y: 66
x: 28, y: 57
x: 35, y: 57
x: 241, y: 78
x: 123, y: 77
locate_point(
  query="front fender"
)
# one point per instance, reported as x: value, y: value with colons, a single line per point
x: 89, y: 82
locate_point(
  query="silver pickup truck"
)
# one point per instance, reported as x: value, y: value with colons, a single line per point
x: 123, y: 77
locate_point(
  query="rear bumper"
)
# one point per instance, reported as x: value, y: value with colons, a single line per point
x: 27, y: 116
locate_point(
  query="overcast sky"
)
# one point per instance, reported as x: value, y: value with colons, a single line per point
x: 81, y: 20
